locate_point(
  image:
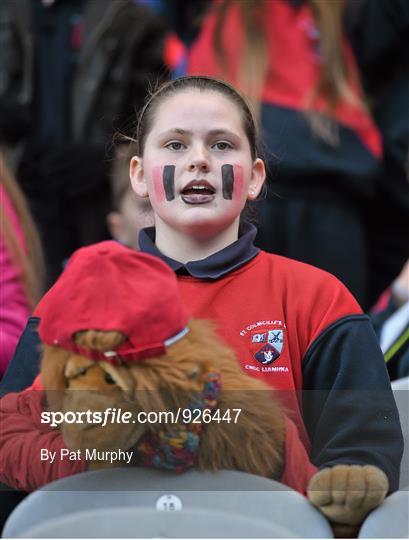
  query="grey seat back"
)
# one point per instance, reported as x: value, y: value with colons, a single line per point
x: 144, y: 523
x: 390, y: 520
x: 136, y: 490
x: 400, y: 389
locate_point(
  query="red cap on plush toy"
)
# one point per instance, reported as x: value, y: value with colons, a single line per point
x: 106, y: 287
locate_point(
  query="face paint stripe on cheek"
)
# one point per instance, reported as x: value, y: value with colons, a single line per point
x: 238, y: 181
x: 227, y: 181
x: 157, y: 180
x: 169, y: 182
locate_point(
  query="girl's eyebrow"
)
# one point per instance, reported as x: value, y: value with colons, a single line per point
x: 172, y: 131
x: 227, y: 132
x: 211, y: 133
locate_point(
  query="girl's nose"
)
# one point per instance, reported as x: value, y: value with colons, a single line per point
x: 199, y: 161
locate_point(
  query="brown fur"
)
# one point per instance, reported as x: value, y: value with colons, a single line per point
x: 254, y: 444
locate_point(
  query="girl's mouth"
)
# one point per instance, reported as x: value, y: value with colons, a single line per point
x: 198, y: 192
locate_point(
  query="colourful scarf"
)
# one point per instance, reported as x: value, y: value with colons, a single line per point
x: 176, y: 449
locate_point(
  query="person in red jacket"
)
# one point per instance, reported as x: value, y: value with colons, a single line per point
x: 294, y: 326
x: 294, y: 62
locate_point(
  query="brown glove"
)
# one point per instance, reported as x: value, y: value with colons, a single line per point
x: 345, y: 494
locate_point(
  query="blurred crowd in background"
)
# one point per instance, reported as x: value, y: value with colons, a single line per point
x: 328, y: 81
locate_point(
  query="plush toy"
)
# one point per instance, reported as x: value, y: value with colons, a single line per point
x: 116, y: 337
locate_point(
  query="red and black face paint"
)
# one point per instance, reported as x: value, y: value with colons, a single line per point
x: 169, y: 182
x: 227, y: 181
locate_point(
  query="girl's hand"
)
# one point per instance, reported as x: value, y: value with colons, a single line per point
x: 345, y: 494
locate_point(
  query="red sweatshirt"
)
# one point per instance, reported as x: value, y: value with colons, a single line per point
x: 292, y: 325
x: 283, y: 315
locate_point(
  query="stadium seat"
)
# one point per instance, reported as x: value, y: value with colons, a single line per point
x: 400, y: 389
x: 223, y: 504
x: 137, y: 523
x: 390, y: 520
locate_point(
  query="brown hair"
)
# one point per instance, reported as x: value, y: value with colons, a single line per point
x: 254, y: 61
x: 30, y: 259
x: 203, y: 84
x: 333, y: 82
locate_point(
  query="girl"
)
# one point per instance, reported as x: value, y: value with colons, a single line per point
x: 294, y: 326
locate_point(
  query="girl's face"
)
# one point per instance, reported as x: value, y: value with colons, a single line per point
x: 197, y: 167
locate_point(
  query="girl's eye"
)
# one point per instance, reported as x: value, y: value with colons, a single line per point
x: 222, y: 145
x: 174, y: 145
